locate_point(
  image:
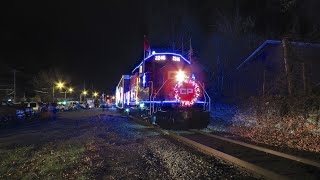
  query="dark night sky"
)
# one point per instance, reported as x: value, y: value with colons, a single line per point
x: 98, y: 41
x: 89, y: 40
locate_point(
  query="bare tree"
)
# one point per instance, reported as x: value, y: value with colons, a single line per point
x: 45, y: 80
x: 233, y: 39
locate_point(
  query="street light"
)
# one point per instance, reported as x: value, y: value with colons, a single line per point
x: 65, y: 93
x: 84, y: 93
x: 59, y: 85
x: 95, y: 94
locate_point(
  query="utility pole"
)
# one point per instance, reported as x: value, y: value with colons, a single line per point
x: 84, y: 88
x: 53, y: 93
x: 92, y: 90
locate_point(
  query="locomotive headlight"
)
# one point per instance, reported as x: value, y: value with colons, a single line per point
x: 180, y: 76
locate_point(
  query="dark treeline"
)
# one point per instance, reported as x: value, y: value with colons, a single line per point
x: 225, y: 33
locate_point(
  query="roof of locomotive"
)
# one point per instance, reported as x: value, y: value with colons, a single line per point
x: 156, y: 54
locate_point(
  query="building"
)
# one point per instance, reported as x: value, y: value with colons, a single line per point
x: 266, y: 71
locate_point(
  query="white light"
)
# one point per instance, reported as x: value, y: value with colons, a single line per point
x: 141, y: 105
x: 160, y: 58
x: 127, y: 110
x: 175, y: 58
x: 180, y: 76
x: 144, y: 79
x: 153, y: 52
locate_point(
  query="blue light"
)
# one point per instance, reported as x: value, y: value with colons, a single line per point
x: 141, y: 105
x: 165, y: 102
x: 161, y: 54
x: 127, y: 109
x: 144, y: 79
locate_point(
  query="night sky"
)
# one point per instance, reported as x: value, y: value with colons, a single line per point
x: 98, y: 41
x: 91, y: 41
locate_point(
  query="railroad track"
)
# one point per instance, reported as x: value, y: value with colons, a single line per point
x: 264, y: 162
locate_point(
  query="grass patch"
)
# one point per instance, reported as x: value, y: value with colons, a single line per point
x: 51, y: 161
x: 12, y: 159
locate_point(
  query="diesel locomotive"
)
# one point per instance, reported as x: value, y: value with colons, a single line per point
x: 164, y: 88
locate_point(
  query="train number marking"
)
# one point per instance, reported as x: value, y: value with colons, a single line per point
x: 175, y: 58
x: 160, y: 58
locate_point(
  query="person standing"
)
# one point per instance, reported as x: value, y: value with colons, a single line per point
x: 52, y: 111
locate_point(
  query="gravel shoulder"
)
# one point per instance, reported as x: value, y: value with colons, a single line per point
x: 103, y: 145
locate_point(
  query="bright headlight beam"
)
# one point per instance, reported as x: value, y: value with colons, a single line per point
x: 180, y: 76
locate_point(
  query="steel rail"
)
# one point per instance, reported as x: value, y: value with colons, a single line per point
x: 234, y: 160
x: 266, y: 150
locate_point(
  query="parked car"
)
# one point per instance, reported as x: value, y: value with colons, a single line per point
x: 28, y: 109
x: 20, y: 114
x: 90, y: 103
x: 76, y: 106
x: 62, y: 108
x: 82, y: 105
x: 35, y: 106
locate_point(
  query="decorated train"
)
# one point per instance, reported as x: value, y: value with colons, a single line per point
x: 164, y: 88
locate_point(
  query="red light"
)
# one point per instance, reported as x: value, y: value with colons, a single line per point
x: 187, y: 92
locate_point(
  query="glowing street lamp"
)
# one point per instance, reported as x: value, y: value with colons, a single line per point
x: 59, y: 85
x: 95, y: 94
x: 70, y: 89
x: 84, y: 93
